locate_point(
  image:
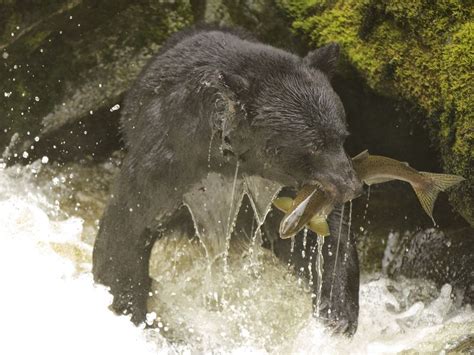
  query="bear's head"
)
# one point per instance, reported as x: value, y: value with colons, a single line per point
x: 293, y: 125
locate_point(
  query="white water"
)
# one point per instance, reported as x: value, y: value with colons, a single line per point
x: 50, y: 305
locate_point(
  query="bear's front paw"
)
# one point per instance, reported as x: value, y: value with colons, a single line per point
x: 131, y: 303
x: 338, y: 321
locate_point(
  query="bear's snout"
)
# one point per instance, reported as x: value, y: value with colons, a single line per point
x: 335, y: 174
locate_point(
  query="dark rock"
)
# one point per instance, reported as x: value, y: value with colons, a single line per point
x: 434, y: 255
x: 67, y: 66
x: 74, y: 62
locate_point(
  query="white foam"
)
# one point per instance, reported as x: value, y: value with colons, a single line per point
x: 46, y: 308
x: 50, y: 305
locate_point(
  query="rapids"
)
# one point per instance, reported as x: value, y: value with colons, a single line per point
x: 48, y: 219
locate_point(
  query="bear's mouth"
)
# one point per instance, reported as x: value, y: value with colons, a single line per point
x: 329, y: 188
x: 337, y: 190
x: 316, y: 183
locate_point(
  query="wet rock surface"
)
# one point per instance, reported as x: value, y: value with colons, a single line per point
x: 435, y: 255
x: 64, y: 72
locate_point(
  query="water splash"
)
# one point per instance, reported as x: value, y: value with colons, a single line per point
x: 248, y: 316
x: 265, y: 314
x: 261, y: 192
x: 214, y: 224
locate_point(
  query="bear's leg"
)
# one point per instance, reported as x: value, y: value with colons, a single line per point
x: 340, y: 288
x: 124, y: 242
x: 339, y: 297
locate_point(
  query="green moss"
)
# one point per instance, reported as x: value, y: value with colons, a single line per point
x: 420, y: 51
x: 297, y: 8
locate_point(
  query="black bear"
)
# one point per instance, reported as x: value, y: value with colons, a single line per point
x: 274, y: 113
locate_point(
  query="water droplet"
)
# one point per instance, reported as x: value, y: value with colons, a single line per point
x: 115, y: 107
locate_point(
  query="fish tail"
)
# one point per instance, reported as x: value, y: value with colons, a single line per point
x: 428, y: 193
x: 319, y: 225
x: 443, y: 181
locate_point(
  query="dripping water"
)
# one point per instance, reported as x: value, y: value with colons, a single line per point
x: 366, y: 203
x: 319, y: 270
x: 261, y: 193
x: 209, y: 151
x: 310, y: 265
x: 346, y: 256
x: 292, y: 249
x: 230, y: 220
x: 305, y: 240
x: 256, y: 237
x: 337, y: 251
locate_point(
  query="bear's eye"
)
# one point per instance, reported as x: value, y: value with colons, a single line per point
x: 315, y: 148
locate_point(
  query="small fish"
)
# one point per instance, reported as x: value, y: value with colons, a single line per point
x: 371, y: 169
x: 375, y: 169
x: 307, y: 209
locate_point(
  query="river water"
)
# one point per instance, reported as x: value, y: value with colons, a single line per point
x: 48, y: 220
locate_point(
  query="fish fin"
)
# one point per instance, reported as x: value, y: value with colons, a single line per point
x: 283, y: 203
x: 428, y: 194
x: 319, y: 225
x: 443, y: 181
x: 361, y: 155
x: 427, y: 198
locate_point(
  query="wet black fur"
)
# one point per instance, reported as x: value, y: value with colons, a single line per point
x: 273, y: 111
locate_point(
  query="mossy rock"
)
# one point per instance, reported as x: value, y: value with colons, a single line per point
x: 421, y: 52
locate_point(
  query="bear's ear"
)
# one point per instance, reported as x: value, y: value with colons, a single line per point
x: 324, y: 59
